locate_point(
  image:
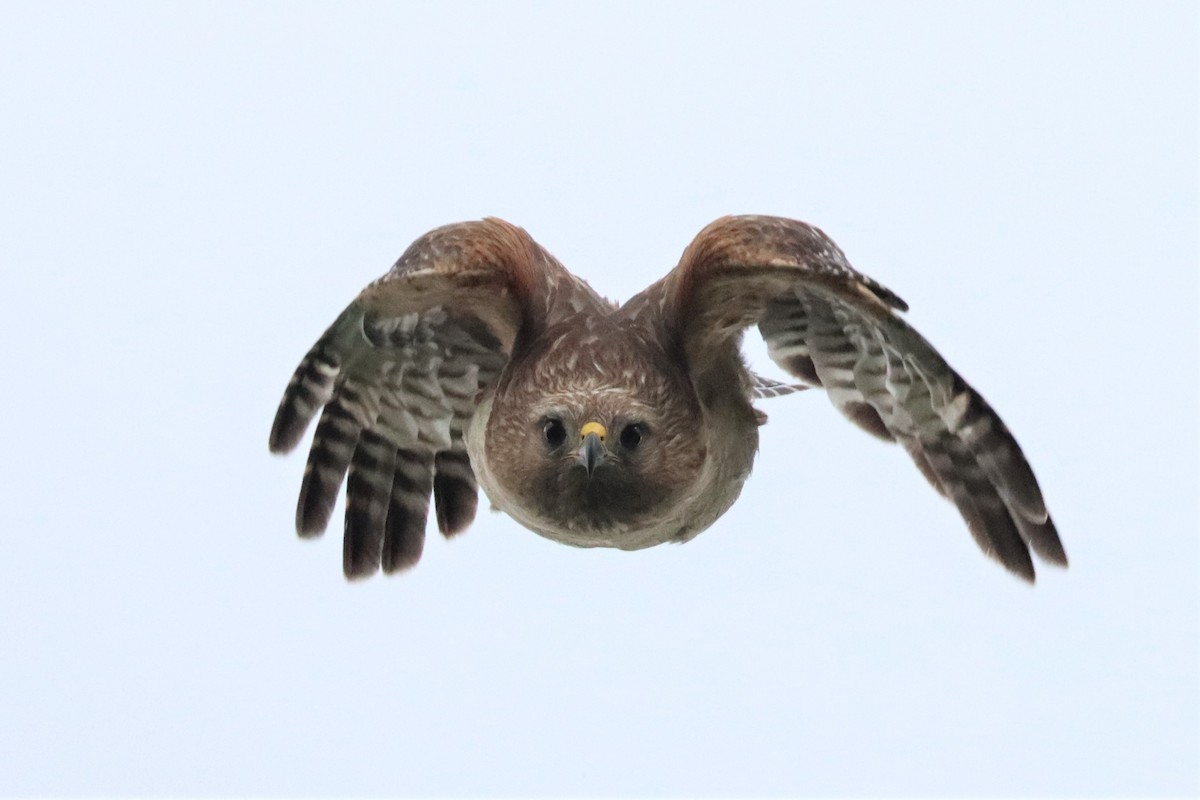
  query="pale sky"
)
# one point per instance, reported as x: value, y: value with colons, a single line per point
x: 191, y: 193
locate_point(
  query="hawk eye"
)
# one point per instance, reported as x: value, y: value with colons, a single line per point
x: 631, y: 436
x: 554, y: 432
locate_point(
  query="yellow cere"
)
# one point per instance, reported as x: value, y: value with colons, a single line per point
x: 593, y: 427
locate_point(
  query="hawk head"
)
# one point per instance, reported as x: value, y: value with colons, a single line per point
x: 594, y: 442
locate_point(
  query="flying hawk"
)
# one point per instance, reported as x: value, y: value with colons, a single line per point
x: 478, y: 359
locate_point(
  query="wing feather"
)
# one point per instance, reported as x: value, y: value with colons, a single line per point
x: 831, y: 326
x: 764, y: 387
x: 408, y: 509
x: 353, y: 409
x: 398, y: 375
x: 368, y: 496
x: 455, y: 493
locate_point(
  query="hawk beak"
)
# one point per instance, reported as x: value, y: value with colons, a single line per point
x: 592, y: 452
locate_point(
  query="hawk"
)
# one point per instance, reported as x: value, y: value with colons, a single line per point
x: 479, y: 360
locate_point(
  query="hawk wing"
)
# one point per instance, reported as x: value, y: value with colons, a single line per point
x: 832, y: 327
x: 398, y: 374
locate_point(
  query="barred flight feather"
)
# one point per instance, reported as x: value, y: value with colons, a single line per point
x: 885, y: 378
x: 455, y: 493
x: 310, y: 388
x: 368, y: 498
x: 408, y: 509
x: 352, y: 410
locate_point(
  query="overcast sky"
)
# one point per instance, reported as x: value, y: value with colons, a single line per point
x: 190, y: 193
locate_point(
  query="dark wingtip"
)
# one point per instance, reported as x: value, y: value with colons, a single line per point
x: 1016, y: 559
x: 1042, y: 538
x: 1056, y: 557
x: 1025, y: 574
x: 283, y: 436
x: 362, y: 535
x: 310, y: 521
x: 455, y: 504
x: 455, y: 493
x: 312, y: 516
x: 399, y: 558
x: 356, y: 573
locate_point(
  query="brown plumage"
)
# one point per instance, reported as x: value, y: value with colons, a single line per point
x: 478, y: 357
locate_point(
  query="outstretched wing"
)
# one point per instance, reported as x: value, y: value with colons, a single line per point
x: 831, y: 326
x: 398, y: 374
